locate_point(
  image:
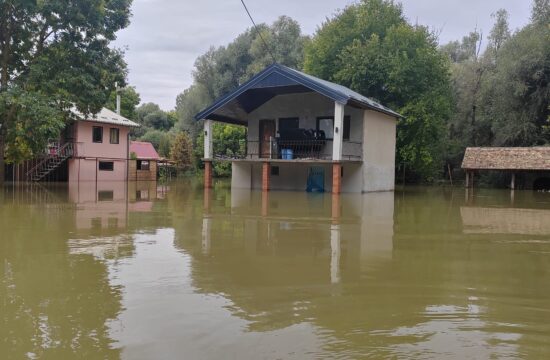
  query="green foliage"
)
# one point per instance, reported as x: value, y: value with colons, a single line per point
x: 151, y: 117
x: 161, y: 141
x: 55, y: 55
x: 228, y: 140
x: 223, y: 69
x: 501, y: 96
x: 129, y: 100
x: 370, y: 48
x: 182, y: 151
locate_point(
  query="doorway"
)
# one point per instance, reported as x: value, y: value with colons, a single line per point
x: 267, y: 131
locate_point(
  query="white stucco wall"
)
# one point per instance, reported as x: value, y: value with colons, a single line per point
x: 378, y: 151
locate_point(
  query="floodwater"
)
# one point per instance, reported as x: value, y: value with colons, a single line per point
x: 140, y: 271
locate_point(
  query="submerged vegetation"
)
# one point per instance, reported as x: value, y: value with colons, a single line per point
x: 478, y: 91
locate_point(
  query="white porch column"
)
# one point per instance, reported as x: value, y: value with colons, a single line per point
x: 208, y: 148
x: 338, y: 131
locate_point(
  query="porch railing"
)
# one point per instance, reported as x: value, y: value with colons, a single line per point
x: 292, y: 150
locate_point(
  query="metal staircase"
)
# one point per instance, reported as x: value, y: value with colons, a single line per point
x: 55, y: 156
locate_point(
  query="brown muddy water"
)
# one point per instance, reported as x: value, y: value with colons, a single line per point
x: 141, y: 271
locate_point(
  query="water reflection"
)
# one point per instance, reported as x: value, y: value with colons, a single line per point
x: 140, y: 270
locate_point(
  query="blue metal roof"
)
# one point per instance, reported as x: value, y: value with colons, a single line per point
x: 277, y: 79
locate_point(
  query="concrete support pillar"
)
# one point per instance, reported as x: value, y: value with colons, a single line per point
x: 513, y: 182
x: 208, y: 148
x: 266, y: 173
x: 208, y: 174
x: 336, y: 178
x: 338, y: 131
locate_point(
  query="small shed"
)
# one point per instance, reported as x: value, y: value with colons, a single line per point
x: 532, y: 162
x: 143, y: 162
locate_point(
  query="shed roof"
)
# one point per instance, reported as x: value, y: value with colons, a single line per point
x: 507, y: 158
x: 278, y: 79
x: 144, y: 150
x: 106, y: 116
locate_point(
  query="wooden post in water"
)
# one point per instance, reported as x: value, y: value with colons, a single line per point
x: 513, y: 182
x: 266, y: 172
x: 336, y: 178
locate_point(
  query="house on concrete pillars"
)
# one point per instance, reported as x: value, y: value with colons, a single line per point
x: 304, y: 133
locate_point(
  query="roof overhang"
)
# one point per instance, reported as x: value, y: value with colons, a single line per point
x: 278, y: 80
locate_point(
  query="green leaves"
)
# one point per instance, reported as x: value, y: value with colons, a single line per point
x: 55, y: 55
x: 370, y: 48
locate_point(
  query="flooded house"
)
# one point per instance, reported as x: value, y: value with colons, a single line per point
x: 143, y: 161
x: 91, y: 148
x: 304, y: 133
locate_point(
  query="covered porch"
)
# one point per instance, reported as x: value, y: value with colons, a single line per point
x: 297, y: 126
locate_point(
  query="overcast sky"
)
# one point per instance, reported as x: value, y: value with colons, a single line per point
x: 166, y: 36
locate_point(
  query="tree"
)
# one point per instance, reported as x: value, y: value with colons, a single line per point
x: 370, y: 48
x: 54, y: 55
x: 182, y: 151
x: 129, y: 100
x: 220, y: 70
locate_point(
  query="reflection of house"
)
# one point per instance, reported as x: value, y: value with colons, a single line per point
x: 143, y: 165
x: 305, y: 133
x: 92, y: 148
x: 491, y: 220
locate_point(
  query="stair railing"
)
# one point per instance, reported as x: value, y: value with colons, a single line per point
x: 53, y: 151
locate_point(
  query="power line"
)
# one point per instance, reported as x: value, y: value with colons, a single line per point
x: 258, y: 31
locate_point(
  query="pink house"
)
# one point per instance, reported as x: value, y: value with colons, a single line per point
x: 101, y: 147
x: 92, y: 148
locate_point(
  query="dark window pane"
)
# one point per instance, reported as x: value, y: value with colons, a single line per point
x: 114, y: 136
x: 275, y: 170
x: 97, y: 134
x: 106, y: 166
x: 288, y: 123
x: 143, y: 165
x: 347, y: 126
x: 105, y: 195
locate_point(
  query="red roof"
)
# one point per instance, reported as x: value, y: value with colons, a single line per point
x: 143, y: 150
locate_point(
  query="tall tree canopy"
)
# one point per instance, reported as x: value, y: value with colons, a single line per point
x: 54, y: 54
x: 222, y: 69
x: 129, y: 100
x: 371, y: 48
x: 502, y: 94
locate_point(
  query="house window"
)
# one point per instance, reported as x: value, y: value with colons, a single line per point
x: 97, y: 134
x: 105, y: 195
x: 106, y: 166
x: 275, y: 170
x: 114, y: 136
x: 143, y: 165
x: 347, y: 126
x: 326, y: 123
x: 288, y: 123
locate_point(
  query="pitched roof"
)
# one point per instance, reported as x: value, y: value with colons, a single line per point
x: 144, y: 150
x: 279, y: 76
x: 507, y: 158
x: 105, y: 116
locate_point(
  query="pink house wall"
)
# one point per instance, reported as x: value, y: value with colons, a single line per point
x: 84, y: 165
